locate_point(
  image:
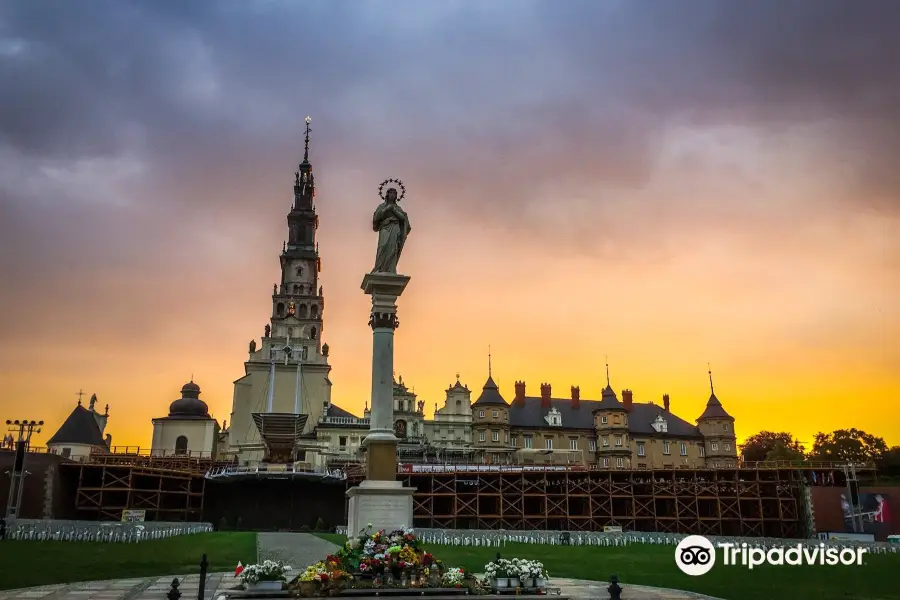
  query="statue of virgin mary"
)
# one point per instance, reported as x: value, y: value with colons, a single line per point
x: 392, y: 225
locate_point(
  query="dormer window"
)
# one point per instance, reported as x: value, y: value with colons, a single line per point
x: 554, y: 418
x: 659, y: 425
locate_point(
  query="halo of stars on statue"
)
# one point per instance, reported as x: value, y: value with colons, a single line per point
x: 389, y: 181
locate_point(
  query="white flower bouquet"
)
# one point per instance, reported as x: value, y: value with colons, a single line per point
x: 453, y: 577
x: 268, y: 570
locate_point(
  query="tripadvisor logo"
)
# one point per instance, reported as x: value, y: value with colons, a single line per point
x: 695, y: 555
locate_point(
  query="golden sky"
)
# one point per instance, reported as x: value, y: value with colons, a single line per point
x: 664, y: 196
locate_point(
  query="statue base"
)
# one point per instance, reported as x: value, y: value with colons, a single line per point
x: 389, y: 285
x: 381, y: 458
x: 385, y: 504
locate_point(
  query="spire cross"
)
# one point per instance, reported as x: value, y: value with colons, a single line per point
x: 489, y: 363
x: 607, y: 371
x: 80, y: 394
x: 709, y: 370
x: 306, y: 144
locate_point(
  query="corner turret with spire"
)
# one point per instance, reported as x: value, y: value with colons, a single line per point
x: 490, y: 418
x: 717, y: 428
x: 611, y: 426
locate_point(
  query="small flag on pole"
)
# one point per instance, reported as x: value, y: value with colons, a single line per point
x: 239, y: 569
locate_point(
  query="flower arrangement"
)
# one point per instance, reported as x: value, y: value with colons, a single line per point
x: 316, y: 572
x: 531, y: 569
x: 501, y: 568
x: 453, y: 577
x: 385, y: 558
x: 268, y: 570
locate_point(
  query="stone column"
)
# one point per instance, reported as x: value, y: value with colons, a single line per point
x: 380, y: 499
x: 381, y: 443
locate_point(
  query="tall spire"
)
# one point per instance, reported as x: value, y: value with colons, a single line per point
x: 306, y: 144
x: 607, y: 372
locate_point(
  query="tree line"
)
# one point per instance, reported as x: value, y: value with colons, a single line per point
x: 842, y: 445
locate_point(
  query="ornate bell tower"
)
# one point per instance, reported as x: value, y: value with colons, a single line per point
x: 297, y: 302
x: 286, y: 389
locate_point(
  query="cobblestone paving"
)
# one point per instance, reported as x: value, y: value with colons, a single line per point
x: 295, y: 549
x: 578, y: 589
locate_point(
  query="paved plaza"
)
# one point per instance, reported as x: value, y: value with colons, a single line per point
x: 297, y: 550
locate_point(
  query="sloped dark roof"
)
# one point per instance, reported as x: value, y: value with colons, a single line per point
x: 640, y: 418
x: 714, y: 410
x: 490, y: 395
x: 336, y: 411
x: 80, y: 428
x: 608, y: 400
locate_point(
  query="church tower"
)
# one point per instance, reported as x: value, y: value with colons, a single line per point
x: 285, y: 388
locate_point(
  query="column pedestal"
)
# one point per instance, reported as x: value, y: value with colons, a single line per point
x: 381, y: 500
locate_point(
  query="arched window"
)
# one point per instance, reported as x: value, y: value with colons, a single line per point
x: 290, y: 332
x: 279, y: 309
x: 314, y: 311
x: 296, y: 289
x: 181, y: 445
x: 459, y: 405
x: 302, y: 313
x: 312, y: 333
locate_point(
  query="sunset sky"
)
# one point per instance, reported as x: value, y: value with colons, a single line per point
x: 668, y: 184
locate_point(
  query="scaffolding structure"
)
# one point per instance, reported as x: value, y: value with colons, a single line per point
x: 167, y: 488
x: 763, y: 501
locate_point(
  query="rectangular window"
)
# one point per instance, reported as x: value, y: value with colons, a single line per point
x: 620, y: 462
x: 617, y: 419
x: 514, y: 441
x: 67, y: 452
x: 592, y: 445
x: 640, y: 448
x: 495, y: 436
x: 548, y: 443
x: 480, y: 436
x: 573, y: 443
x: 683, y: 449
x: 342, y: 442
x: 618, y: 440
x: 714, y: 447
x: 666, y: 448
x: 702, y: 450
x: 727, y: 447
x: 725, y: 426
x: 603, y: 419
x: 506, y: 438
x: 605, y: 441
x: 481, y: 413
x: 529, y: 441
x: 605, y: 462
x: 495, y: 414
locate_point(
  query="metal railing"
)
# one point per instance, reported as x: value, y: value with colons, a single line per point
x: 267, y: 470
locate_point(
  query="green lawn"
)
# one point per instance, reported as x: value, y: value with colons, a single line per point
x: 646, y: 564
x: 25, y: 564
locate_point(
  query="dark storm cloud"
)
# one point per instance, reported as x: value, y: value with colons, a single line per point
x: 487, y: 104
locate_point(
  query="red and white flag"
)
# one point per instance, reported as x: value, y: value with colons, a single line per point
x: 239, y: 569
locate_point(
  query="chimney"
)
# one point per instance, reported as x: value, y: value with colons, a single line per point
x: 545, y: 395
x: 519, y: 400
x: 576, y: 396
x: 666, y: 402
x: 626, y: 399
